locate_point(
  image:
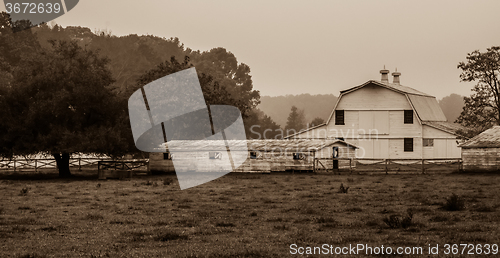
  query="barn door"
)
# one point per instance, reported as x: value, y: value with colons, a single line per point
x: 335, y: 155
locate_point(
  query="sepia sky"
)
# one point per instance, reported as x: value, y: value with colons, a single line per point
x: 316, y: 47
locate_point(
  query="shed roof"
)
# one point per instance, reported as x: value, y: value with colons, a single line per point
x: 255, y: 145
x: 487, y: 139
x: 446, y: 126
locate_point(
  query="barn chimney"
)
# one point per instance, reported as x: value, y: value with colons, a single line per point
x: 385, y: 76
x: 396, y: 75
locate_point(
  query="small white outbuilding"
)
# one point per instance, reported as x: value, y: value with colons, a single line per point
x: 482, y: 153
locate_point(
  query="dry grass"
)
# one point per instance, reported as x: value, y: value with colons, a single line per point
x: 239, y: 215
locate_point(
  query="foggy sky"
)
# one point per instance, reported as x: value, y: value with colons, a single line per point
x: 317, y: 46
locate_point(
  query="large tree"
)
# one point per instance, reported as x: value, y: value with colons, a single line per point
x: 60, y: 103
x: 213, y: 92
x: 452, y: 106
x: 295, y: 122
x: 231, y: 75
x: 482, y: 108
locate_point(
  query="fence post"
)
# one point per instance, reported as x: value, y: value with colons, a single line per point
x: 350, y: 166
x: 386, y: 167
x: 80, y: 163
x: 14, y: 166
x: 423, y: 166
x: 35, y: 166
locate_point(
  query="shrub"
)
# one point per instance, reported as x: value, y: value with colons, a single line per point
x: 168, y: 181
x: 392, y: 221
x: 396, y: 221
x: 454, y: 203
x: 343, y: 189
x: 24, y: 191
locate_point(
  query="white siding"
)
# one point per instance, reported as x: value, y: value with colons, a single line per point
x: 373, y: 97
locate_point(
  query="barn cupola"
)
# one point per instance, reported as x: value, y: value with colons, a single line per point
x: 385, y: 75
x: 396, y: 75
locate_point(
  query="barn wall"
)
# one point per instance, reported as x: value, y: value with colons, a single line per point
x: 487, y: 159
x: 200, y: 161
x: 265, y: 162
x: 373, y: 97
x: 349, y: 129
x: 396, y: 149
x: 443, y: 148
x: 400, y: 129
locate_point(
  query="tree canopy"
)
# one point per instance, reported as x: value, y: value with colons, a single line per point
x: 296, y: 121
x: 65, y: 90
x: 60, y: 103
x: 482, y: 108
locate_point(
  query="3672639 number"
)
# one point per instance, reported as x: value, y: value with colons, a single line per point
x: 33, y: 8
x: 470, y: 249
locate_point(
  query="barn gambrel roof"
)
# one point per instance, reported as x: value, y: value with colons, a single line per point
x: 425, y: 106
x: 391, y: 86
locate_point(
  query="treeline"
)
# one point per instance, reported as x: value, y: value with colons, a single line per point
x: 65, y: 90
x: 313, y: 106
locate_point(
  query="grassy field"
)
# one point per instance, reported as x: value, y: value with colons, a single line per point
x: 242, y: 215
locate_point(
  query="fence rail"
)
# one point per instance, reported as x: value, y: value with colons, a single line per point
x: 388, y: 165
x: 45, y: 163
x: 123, y: 164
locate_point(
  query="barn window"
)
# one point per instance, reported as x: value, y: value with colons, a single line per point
x: 339, y: 117
x: 253, y: 155
x: 215, y: 155
x: 408, y: 117
x: 167, y: 156
x: 298, y: 156
x: 408, y: 144
x: 428, y: 142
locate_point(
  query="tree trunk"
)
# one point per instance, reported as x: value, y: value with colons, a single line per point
x: 62, y: 161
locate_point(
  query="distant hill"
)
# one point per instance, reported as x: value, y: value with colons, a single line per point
x: 452, y: 106
x: 278, y: 108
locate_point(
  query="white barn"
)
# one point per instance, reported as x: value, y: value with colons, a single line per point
x: 389, y: 120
